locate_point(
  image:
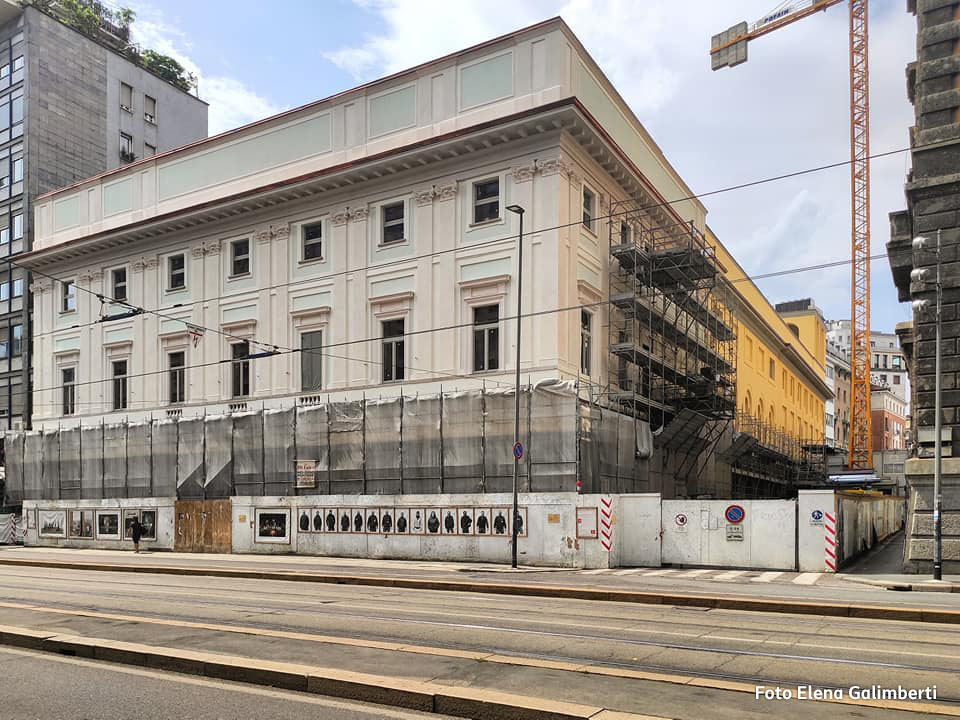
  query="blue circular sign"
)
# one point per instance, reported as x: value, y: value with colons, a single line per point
x: 817, y: 514
x: 518, y: 450
x: 734, y: 514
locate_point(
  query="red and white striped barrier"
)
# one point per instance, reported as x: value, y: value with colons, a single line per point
x: 606, y: 523
x: 830, y: 542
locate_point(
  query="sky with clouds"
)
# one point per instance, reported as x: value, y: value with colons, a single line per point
x: 786, y: 109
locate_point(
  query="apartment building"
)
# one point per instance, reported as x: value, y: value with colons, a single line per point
x: 888, y: 366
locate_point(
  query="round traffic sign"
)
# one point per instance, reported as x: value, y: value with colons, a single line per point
x: 734, y: 514
x: 817, y: 514
x: 680, y: 519
x: 518, y: 450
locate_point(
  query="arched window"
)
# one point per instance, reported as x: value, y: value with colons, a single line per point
x: 747, y: 403
x: 760, y: 409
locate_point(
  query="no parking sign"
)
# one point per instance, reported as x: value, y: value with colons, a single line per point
x: 734, y: 514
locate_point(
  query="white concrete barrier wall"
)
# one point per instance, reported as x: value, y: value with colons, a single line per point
x: 817, y: 531
x: 83, y: 523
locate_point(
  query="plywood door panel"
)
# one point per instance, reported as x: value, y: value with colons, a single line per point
x: 203, y: 526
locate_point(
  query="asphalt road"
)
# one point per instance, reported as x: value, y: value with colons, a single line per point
x: 42, y: 686
x: 561, y: 649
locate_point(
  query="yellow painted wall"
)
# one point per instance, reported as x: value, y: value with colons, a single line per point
x: 787, y: 399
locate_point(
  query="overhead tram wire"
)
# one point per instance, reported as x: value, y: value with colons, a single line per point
x: 537, y: 313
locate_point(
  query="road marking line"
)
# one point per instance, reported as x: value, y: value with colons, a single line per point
x: 666, y: 571
x: 730, y: 575
x: 631, y: 571
x: 598, y: 571
x: 695, y: 573
x: 806, y: 578
x: 766, y: 577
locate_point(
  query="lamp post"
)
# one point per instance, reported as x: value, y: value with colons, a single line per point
x: 516, y: 422
x: 919, y: 275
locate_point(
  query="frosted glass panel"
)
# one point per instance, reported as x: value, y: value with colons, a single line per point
x: 118, y: 197
x: 486, y: 81
x: 393, y: 111
x: 66, y: 213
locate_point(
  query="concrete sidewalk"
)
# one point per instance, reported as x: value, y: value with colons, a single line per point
x: 882, y: 567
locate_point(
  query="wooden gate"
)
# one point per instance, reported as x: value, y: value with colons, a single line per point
x: 203, y: 526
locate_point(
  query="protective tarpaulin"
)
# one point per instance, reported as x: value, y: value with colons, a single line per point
x: 33, y: 465
x: 606, y: 430
x: 421, y: 444
x: 91, y: 462
x: 627, y: 468
x: 190, y: 458
x: 51, y: 465
x: 13, y: 481
x: 346, y: 448
x: 312, y: 443
x: 644, y: 440
x: 115, y: 461
x: 248, y: 454
x: 383, y: 446
x: 499, y: 439
x: 70, y: 464
x: 462, y: 443
x: 8, y: 527
x: 218, y: 465
x: 279, y: 452
x: 165, y: 458
x: 139, y: 471
x: 553, y: 448
x: 589, y: 449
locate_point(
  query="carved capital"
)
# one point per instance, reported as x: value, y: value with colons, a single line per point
x: 445, y: 192
x: 89, y: 278
x: 524, y: 173
x: 40, y: 286
x: 212, y: 247
x: 280, y: 232
x: 424, y: 197
x: 197, y: 251
x: 557, y: 166
x: 151, y: 264
x: 359, y: 214
x: 138, y: 266
x: 340, y: 218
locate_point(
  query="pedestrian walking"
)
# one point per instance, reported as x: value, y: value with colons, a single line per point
x: 136, y: 532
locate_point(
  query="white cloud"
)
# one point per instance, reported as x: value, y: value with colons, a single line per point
x: 231, y: 102
x: 786, y: 109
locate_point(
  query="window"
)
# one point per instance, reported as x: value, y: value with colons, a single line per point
x: 4, y: 350
x: 68, y: 296
x: 68, y: 382
x: 589, y: 209
x: 149, y: 150
x: 773, y: 369
x: 486, y: 200
x: 16, y: 340
x: 392, y: 216
x: 240, y: 257
x: 18, y: 170
x: 586, y: 320
x: 176, y: 272
x: 119, y: 384
x: 177, y: 362
x: 4, y: 290
x: 393, y: 356
x: 126, y: 148
x: 624, y: 233
x: 312, y: 241
x: 311, y: 361
x: 486, y: 338
x: 18, y: 226
x: 240, y: 369
x: 896, y: 362
x: 126, y: 97
x: 896, y: 379
x: 118, y: 283
x: 18, y: 287
x: 149, y: 109
x: 18, y: 63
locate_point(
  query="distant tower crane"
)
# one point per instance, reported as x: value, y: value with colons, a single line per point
x: 730, y: 48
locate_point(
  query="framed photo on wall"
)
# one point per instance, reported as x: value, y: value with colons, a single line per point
x: 483, y: 523
x: 128, y: 517
x: 53, y: 523
x: 303, y: 520
x: 108, y: 524
x: 81, y: 523
x: 465, y: 521
x: 434, y: 520
x: 316, y: 520
x: 148, y: 521
x: 331, y: 522
x: 273, y: 525
x: 500, y: 520
x: 402, y: 522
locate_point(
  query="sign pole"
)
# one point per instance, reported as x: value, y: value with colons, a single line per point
x: 516, y: 423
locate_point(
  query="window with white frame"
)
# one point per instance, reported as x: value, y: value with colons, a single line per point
x: 16, y: 340
x: 589, y: 208
x: 312, y: 241
x: 392, y: 216
x: 240, y: 369
x: 118, y: 283
x: 393, y: 350
x: 311, y: 361
x: 486, y: 338
x: 177, y: 376
x: 176, y: 272
x: 68, y: 384
x: 18, y: 287
x: 126, y: 97
x: 149, y: 109
x: 486, y: 200
x: 68, y: 296
x: 120, y: 370
x: 240, y: 257
x: 586, y: 342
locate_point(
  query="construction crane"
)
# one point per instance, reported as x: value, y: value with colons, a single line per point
x: 730, y: 48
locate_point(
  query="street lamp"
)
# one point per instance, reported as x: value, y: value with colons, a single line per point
x: 517, y: 447
x: 920, y: 275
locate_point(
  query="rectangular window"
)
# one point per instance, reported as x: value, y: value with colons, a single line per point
x: 16, y: 340
x: 773, y: 369
x: 149, y: 109
x: 18, y: 63
x: 149, y: 150
x: 624, y: 233
x: 16, y: 110
x: 68, y: 382
x: 18, y: 226
x: 586, y: 342
x: 177, y: 362
x: 486, y: 200
x: 896, y: 379
x: 176, y: 272
x: 311, y: 361
x: 18, y: 287
x: 393, y: 354
x: 119, y: 385
x: 392, y: 215
x: 68, y: 296
x: 240, y: 369
x: 313, y: 241
x: 589, y: 202
x: 4, y: 352
x: 240, y: 257
x: 126, y: 97
x: 896, y: 362
x: 486, y: 338
x: 4, y: 291
x: 126, y: 148
x: 18, y: 170
x: 118, y: 283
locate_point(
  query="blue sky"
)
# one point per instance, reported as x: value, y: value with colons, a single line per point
x: 786, y: 109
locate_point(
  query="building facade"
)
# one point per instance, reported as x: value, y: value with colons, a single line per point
x: 70, y: 107
x: 888, y: 365
x: 889, y: 419
x: 838, y: 413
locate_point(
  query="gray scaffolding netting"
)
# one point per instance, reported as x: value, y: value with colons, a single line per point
x: 91, y: 462
x: 589, y: 448
x: 114, y: 461
x: 421, y: 444
x: 346, y: 448
x: 190, y: 458
x: 499, y: 420
x: 139, y: 467
x: 218, y: 462
x: 165, y: 460
x: 312, y: 442
x: 13, y: 459
x: 382, y: 446
x: 70, y: 464
x: 553, y: 447
x: 33, y: 465
x: 248, y: 454
x: 51, y: 465
x: 462, y: 423
x: 279, y: 452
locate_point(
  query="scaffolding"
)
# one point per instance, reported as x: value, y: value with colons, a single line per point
x: 672, y: 342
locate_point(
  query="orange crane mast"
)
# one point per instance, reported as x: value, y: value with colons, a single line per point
x: 729, y: 48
